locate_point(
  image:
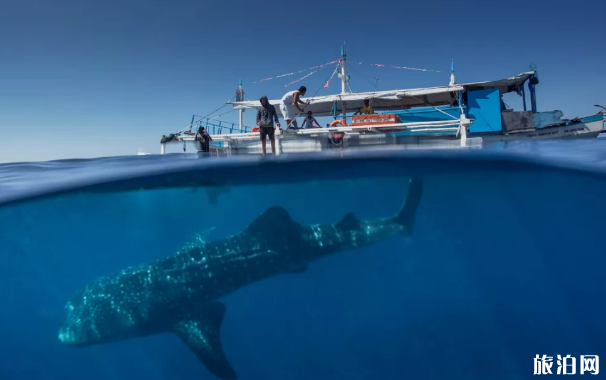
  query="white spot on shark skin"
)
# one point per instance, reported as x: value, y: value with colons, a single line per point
x: 317, y: 234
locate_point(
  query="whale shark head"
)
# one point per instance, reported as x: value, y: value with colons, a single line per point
x: 90, y: 316
x: 75, y: 329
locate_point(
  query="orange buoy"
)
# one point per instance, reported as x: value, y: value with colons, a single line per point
x: 342, y: 122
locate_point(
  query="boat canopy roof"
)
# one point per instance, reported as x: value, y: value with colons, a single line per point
x: 504, y: 85
x: 390, y: 100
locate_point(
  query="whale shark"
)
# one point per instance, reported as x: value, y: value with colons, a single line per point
x: 181, y: 294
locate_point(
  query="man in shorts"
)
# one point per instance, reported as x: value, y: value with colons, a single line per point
x: 289, y: 102
x: 265, y: 121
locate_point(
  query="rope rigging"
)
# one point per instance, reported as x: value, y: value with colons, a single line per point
x: 190, y: 126
x: 324, y: 84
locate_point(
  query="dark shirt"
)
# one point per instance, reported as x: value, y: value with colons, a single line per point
x: 266, y: 116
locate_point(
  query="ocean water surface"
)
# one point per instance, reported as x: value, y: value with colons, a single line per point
x: 505, y: 261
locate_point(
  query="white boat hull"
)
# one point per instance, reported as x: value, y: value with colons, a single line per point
x: 576, y: 131
x: 290, y: 143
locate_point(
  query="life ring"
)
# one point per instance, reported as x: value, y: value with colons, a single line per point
x: 255, y: 129
x: 336, y: 140
x: 342, y: 122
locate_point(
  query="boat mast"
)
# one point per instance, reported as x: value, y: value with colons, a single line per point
x: 534, y: 80
x: 344, y: 77
x: 343, y: 73
x: 240, y: 98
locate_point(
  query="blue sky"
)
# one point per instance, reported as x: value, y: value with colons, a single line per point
x: 98, y: 78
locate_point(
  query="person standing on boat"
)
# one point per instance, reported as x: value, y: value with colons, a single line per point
x: 367, y: 109
x: 204, y: 138
x: 265, y: 121
x: 309, y: 121
x: 289, y: 101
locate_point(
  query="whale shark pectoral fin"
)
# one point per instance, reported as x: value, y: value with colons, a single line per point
x: 349, y: 222
x: 203, y: 337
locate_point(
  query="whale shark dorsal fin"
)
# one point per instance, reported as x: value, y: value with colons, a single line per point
x: 349, y: 222
x: 202, y: 334
x: 274, y: 218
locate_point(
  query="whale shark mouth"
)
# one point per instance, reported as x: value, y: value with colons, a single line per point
x: 67, y: 337
x: 71, y: 337
x: 79, y: 334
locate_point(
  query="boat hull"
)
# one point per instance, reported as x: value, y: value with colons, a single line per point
x: 588, y: 129
x: 291, y: 143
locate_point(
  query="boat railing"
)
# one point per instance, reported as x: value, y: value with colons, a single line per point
x: 424, y: 126
x: 457, y: 127
x: 223, y: 132
x: 218, y: 127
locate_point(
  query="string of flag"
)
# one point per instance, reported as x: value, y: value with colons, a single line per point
x: 310, y: 74
x: 332, y: 76
x: 398, y: 67
x: 297, y: 72
x: 322, y: 66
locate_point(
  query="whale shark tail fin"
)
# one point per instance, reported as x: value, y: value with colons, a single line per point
x: 407, y: 214
x: 202, y: 334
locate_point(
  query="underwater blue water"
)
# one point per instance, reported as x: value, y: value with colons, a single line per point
x: 505, y: 262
